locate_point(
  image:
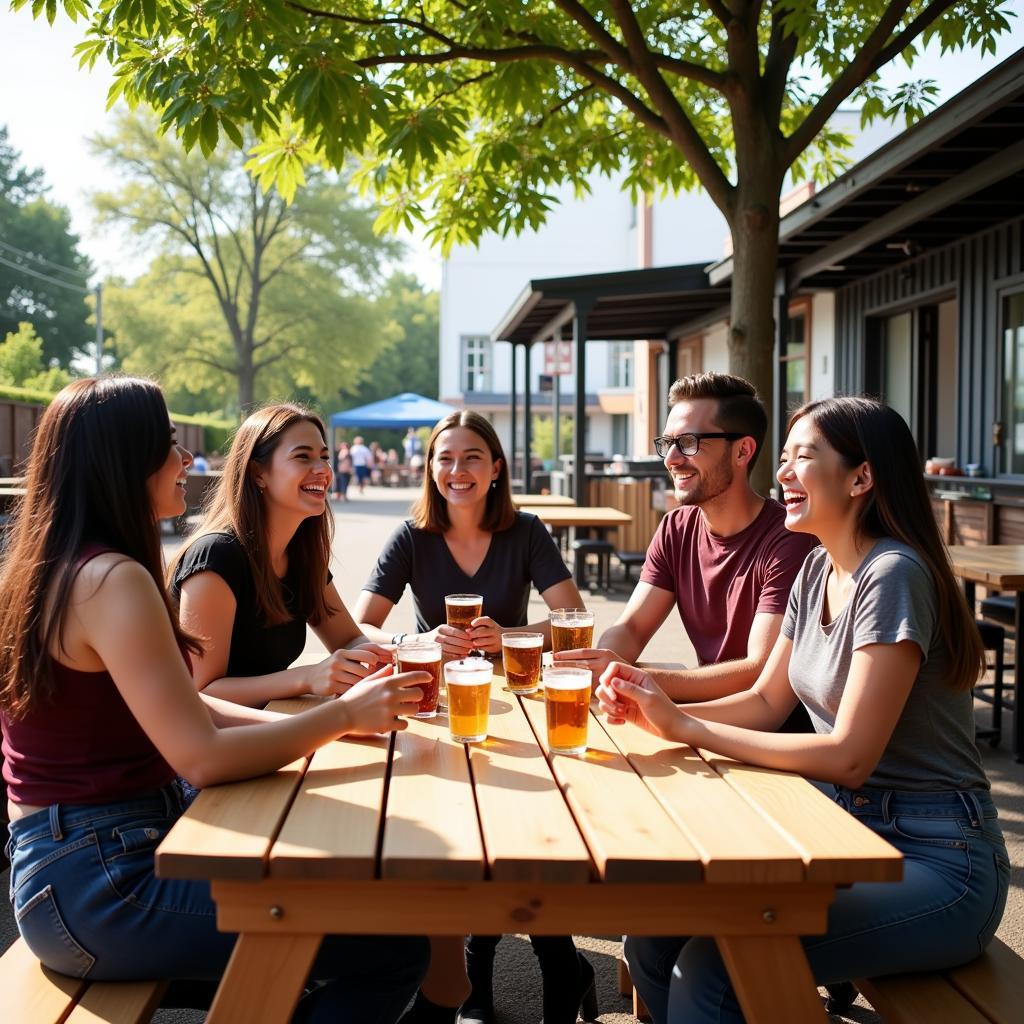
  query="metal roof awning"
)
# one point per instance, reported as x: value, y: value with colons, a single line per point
x: 627, y: 305
x: 958, y: 171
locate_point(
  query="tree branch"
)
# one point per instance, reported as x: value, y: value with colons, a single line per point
x: 781, y: 52
x: 352, y: 19
x: 866, y: 62
x: 618, y: 53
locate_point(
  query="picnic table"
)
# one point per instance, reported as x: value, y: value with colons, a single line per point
x: 998, y: 567
x: 542, y: 500
x: 578, y: 518
x: 414, y: 834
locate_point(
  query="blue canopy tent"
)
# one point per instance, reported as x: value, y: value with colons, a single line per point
x: 396, y: 413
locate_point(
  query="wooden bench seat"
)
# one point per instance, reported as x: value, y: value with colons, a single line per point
x: 33, y: 994
x: 989, y: 990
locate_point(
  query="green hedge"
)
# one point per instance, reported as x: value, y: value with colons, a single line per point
x: 216, y: 432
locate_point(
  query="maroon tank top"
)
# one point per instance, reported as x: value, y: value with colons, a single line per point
x: 84, y: 747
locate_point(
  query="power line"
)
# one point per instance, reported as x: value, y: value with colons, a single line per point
x: 44, y: 277
x: 42, y: 259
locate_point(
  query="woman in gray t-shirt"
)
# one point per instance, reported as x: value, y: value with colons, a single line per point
x: 881, y: 648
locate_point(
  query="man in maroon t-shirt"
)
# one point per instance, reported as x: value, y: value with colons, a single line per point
x: 724, y: 557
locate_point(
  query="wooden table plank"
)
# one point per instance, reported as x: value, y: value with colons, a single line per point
x: 334, y: 825
x: 734, y: 841
x: 431, y: 830
x: 229, y: 830
x: 542, y: 500
x: 630, y: 837
x: 529, y: 834
x: 1000, y: 566
x: 835, y: 847
x: 561, y: 517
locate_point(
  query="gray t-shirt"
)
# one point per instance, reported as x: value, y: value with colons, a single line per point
x: 932, y: 747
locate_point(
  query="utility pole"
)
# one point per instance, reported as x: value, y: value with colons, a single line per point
x: 99, y: 328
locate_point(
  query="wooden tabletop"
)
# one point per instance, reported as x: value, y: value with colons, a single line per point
x: 542, y: 500
x: 420, y: 835
x: 1000, y: 566
x: 585, y: 516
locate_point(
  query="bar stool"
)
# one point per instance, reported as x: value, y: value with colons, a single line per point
x: 584, y: 546
x: 992, y: 638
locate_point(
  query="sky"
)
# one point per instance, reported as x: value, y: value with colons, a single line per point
x: 50, y: 108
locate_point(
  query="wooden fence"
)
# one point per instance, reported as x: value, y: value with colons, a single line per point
x: 634, y: 496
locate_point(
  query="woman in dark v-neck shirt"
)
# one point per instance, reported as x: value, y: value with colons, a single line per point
x: 465, y: 536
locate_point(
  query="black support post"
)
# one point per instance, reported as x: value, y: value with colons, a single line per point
x: 579, y: 337
x: 512, y: 420
x: 527, y: 420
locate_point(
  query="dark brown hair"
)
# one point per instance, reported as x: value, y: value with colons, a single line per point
x: 864, y: 430
x: 237, y: 507
x: 431, y: 510
x: 739, y: 409
x: 96, y: 446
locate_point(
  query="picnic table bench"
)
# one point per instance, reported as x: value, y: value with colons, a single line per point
x: 416, y: 834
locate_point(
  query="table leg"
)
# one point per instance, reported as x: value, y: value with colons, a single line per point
x: 1018, y: 687
x: 772, y: 979
x: 264, y: 979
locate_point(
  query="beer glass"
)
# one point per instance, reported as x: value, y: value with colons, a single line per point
x: 567, y: 700
x: 571, y: 629
x: 422, y: 656
x: 462, y: 609
x: 521, y: 653
x: 469, y: 698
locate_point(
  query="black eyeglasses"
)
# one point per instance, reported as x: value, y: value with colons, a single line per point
x: 689, y: 444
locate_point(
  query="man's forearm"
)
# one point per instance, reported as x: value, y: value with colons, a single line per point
x: 709, y: 682
x: 623, y: 642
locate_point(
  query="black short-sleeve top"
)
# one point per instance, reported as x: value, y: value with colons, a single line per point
x: 256, y: 648
x: 521, y: 556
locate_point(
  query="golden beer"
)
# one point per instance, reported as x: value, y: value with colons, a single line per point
x: 521, y: 653
x: 571, y: 629
x: 567, y: 699
x: 469, y: 698
x: 462, y: 609
x: 422, y: 656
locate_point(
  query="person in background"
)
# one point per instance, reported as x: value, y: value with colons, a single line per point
x: 723, y: 557
x: 411, y: 445
x: 362, y: 462
x: 465, y: 536
x: 199, y: 463
x: 256, y: 570
x: 880, y: 647
x: 99, y: 713
x: 342, y: 471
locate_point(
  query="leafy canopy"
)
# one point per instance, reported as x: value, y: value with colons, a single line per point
x: 466, y: 113
x: 21, y: 362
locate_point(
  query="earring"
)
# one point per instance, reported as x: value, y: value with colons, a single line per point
x: 853, y: 494
x: 494, y: 485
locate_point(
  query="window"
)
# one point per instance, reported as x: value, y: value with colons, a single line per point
x: 476, y: 363
x: 1013, y: 382
x: 795, y: 357
x: 621, y: 443
x: 620, y: 370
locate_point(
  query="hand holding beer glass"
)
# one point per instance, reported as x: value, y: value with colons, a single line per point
x: 454, y: 635
x: 469, y: 698
x: 422, y: 656
x: 521, y: 654
x: 571, y: 629
x: 567, y: 701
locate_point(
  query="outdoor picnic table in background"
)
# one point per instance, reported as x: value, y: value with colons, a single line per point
x: 563, y: 520
x: 415, y: 834
x: 998, y: 567
x: 542, y: 500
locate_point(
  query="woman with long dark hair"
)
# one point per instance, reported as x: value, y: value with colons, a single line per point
x: 256, y: 571
x: 99, y: 713
x: 465, y: 535
x: 879, y: 645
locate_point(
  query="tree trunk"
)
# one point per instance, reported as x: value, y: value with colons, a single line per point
x: 246, y: 387
x: 755, y: 240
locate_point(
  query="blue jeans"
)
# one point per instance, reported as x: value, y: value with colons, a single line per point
x: 943, y: 913
x: 88, y: 904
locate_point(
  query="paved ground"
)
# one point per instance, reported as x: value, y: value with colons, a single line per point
x: 363, y: 524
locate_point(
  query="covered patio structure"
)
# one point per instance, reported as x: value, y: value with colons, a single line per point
x: 655, y: 304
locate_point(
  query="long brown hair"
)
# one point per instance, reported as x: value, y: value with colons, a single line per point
x: 864, y: 430
x: 431, y: 510
x: 97, y: 444
x: 237, y: 507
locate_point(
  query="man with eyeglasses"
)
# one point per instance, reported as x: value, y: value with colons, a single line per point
x: 723, y: 557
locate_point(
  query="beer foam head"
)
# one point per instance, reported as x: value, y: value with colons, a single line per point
x: 468, y: 671
x: 571, y: 617
x: 523, y: 640
x: 464, y: 600
x: 419, y: 654
x: 566, y: 677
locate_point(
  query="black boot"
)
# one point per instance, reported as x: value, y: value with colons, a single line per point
x: 423, y: 1011
x: 841, y: 996
x: 566, y: 998
x: 479, y: 1007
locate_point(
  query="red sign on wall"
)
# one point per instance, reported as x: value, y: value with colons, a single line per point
x: 558, y: 363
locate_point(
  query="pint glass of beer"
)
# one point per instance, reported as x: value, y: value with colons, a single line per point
x: 521, y: 654
x: 571, y: 629
x: 422, y: 656
x: 469, y: 698
x: 462, y: 609
x: 567, y: 699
